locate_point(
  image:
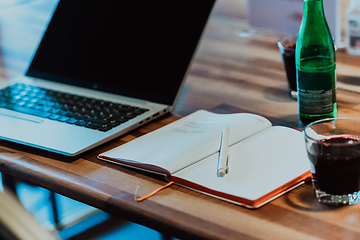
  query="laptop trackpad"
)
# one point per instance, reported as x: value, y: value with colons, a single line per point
x: 12, y: 114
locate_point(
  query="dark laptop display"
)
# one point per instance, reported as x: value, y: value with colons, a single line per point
x: 136, y: 48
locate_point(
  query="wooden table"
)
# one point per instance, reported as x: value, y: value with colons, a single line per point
x: 230, y: 74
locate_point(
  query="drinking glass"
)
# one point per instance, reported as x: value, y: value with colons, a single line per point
x: 333, y: 147
x: 287, y: 46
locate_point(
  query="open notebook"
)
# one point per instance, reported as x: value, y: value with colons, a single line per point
x: 264, y: 162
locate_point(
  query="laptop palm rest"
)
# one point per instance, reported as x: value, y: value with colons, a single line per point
x: 20, y: 116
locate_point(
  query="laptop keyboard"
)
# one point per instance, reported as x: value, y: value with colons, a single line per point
x: 68, y: 108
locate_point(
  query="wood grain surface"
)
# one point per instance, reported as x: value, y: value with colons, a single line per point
x: 230, y: 74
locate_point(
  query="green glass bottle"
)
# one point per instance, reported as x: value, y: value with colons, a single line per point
x: 315, y: 65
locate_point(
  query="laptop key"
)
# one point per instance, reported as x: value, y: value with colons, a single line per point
x: 63, y: 119
x: 96, y: 120
x: 114, y: 123
x: 131, y: 115
x: 72, y: 121
x: 92, y: 125
x: 105, y: 128
x: 54, y: 116
x: 81, y: 123
x: 115, y: 116
x: 122, y: 120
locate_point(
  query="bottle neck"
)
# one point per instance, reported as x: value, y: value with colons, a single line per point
x: 314, y: 38
x: 314, y: 12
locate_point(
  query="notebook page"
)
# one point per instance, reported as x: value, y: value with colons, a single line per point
x: 188, y: 140
x: 257, y: 165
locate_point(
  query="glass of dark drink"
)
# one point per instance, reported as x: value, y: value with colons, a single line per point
x: 287, y: 46
x: 333, y: 147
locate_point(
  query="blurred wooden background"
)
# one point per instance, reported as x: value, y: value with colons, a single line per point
x: 19, y: 17
x: 230, y: 73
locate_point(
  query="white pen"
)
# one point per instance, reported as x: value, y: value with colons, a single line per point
x: 223, y: 156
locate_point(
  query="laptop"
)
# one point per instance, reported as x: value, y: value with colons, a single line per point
x: 102, y: 68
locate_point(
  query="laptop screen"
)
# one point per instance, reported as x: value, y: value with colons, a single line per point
x: 136, y: 48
